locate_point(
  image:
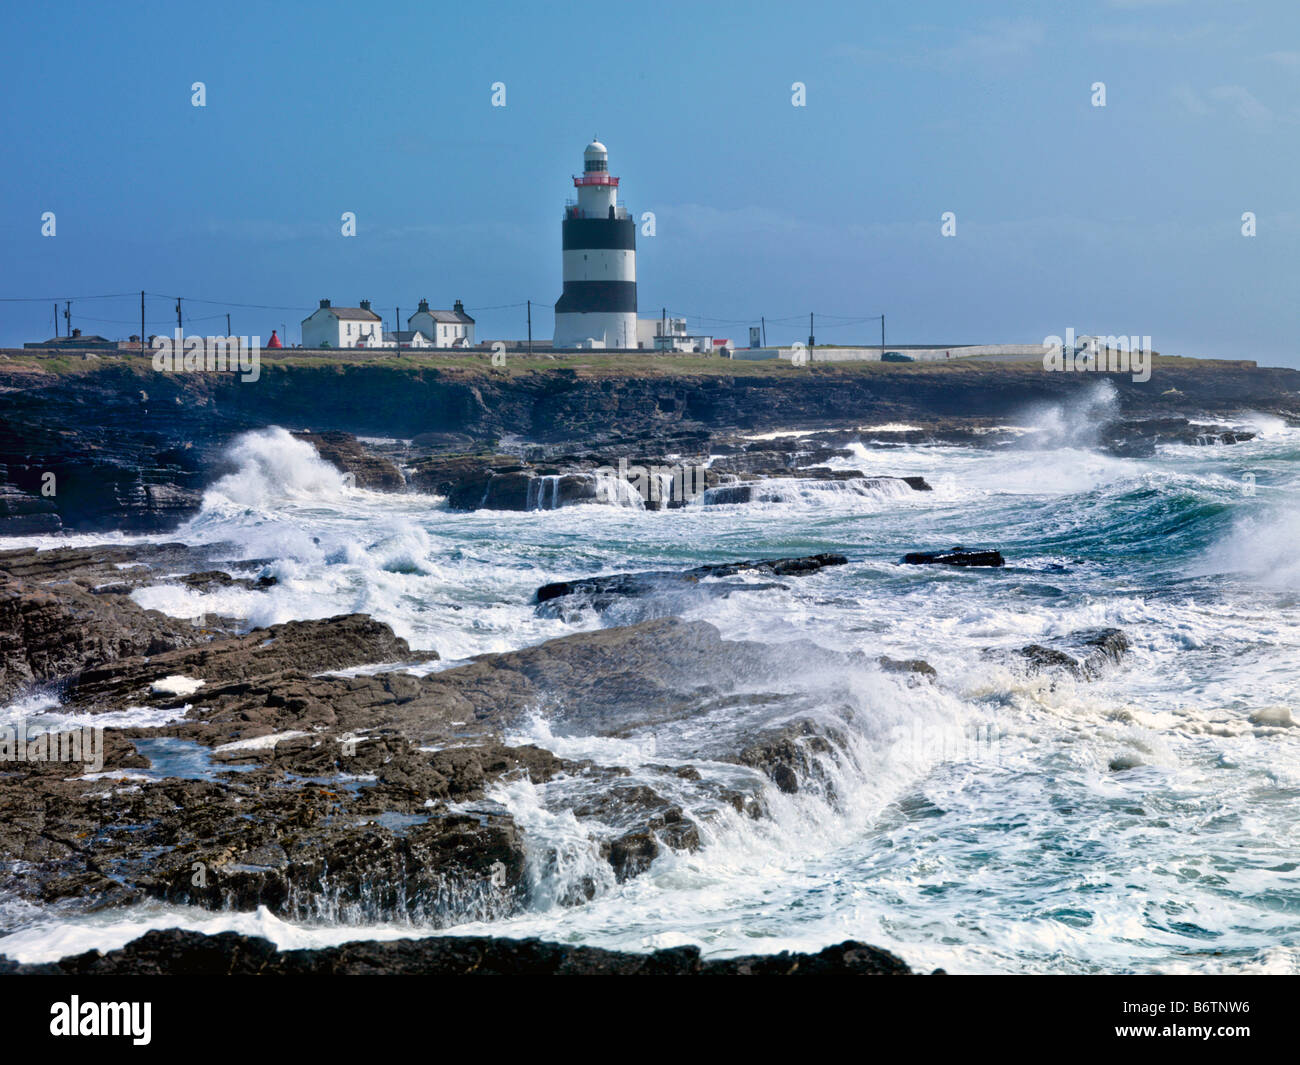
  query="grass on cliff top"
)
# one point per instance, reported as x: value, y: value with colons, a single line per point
x: 586, y: 364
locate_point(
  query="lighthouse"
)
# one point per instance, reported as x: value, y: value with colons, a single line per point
x: 598, y: 306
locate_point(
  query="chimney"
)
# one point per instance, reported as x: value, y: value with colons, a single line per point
x: 324, y: 303
x: 458, y: 307
x: 424, y: 307
x: 365, y: 305
x: 76, y: 332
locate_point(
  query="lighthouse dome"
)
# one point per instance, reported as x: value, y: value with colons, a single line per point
x: 595, y: 150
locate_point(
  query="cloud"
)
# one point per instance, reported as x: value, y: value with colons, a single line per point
x: 1000, y: 41
x: 1190, y: 101
x: 1165, y: 36
x: 1243, y: 102
x: 1286, y: 59
x: 992, y: 42
x: 1230, y: 99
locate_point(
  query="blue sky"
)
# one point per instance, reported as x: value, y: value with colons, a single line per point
x: 1123, y: 219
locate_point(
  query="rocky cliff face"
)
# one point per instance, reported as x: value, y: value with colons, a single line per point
x: 120, y: 446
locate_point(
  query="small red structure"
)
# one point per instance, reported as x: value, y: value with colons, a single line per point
x: 274, y: 342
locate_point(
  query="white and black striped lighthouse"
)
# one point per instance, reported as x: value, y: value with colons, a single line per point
x: 598, y: 307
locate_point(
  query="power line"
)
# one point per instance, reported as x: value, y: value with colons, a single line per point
x: 230, y: 303
x: 64, y: 299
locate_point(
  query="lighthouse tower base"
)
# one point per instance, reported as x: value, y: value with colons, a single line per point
x: 595, y: 329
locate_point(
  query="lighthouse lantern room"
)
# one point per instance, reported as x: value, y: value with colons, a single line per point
x: 598, y: 306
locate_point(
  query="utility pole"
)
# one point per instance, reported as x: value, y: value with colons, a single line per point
x: 397, y: 328
x: 530, y: 327
x: 811, y: 339
x: 56, y: 321
x: 142, y: 321
x: 882, y: 332
x: 180, y: 325
x: 67, y: 318
x: 228, y: 332
x: 763, y: 322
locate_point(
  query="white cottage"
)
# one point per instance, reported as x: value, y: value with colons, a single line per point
x: 343, y: 327
x: 404, y: 338
x: 445, y: 329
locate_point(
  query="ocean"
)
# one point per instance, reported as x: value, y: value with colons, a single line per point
x: 988, y: 820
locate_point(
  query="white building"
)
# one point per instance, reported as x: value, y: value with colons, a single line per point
x: 407, y: 339
x: 598, y: 306
x: 659, y: 334
x: 342, y: 327
x: 444, y: 329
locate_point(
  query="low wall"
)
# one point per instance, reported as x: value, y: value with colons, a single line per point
x: 872, y: 354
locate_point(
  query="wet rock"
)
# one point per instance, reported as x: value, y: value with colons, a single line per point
x: 1138, y: 438
x: 344, y: 452
x: 317, y: 795
x: 601, y: 592
x: 1085, y: 654
x: 26, y: 513
x: 178, y: 952
x: 305, y: 849
x: 791, y: 756
x: 207, y: 580
x: 45, y: 636
x: 957, y: 556
x: 917, y: 666
x: 307, y: 646
x: 777, y: 489
x: 656, y: 823
x: 464, y: 479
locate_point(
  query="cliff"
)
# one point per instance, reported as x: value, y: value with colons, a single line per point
x: 132, y: 449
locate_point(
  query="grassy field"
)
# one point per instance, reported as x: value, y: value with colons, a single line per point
x: 594, y: 364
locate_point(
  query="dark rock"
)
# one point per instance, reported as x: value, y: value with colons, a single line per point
x: 1086, y: 654
x: 176, y: 952
x: 309, y: 646
x: 344, y: 452
x: 27, y: 513
x: 791, y: 756
x: 464, y: 479
x: 46, y: 636
x: 776, y: 488
x: 910, y: 665
x: 1138, y: 438
x: 601, y: 592
x: 957, y: 556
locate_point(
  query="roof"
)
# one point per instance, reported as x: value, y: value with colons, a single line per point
x: 91, y: 341
x: 350, y: 313
x: 448, y: 316
x: 403, y: 335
